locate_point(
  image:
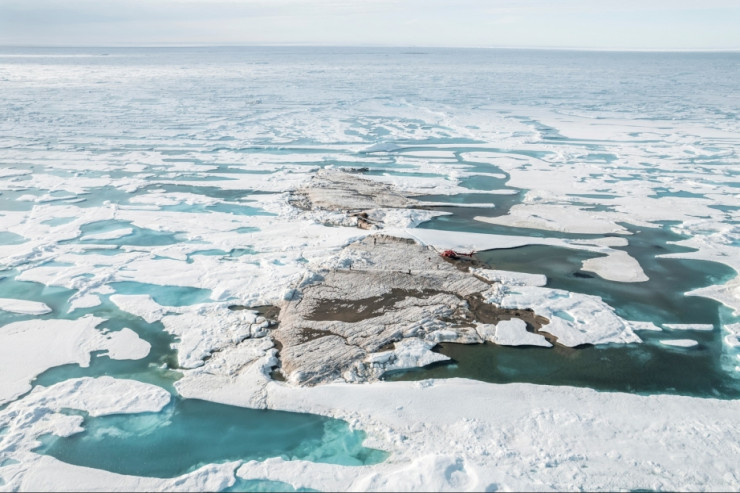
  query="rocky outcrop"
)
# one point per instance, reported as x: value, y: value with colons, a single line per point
x: 347, y: 199
x: 381, y: 304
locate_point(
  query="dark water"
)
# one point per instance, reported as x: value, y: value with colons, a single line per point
x: 650, y: 367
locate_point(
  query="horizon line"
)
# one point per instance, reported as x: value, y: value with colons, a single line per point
x: 387, y: 46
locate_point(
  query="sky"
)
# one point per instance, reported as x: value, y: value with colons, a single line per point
x: 579, y: 24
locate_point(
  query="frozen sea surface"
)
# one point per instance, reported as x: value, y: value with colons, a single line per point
x: 146, y: 190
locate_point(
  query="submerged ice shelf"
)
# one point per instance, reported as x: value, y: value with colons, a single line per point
x: 129, y: 248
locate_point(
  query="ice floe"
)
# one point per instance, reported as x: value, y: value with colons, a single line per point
x: 126, y: 344
x: 28, y: 348
x: 408, y: 353
x: 575, y: 318
x: 511, y: 333
x: 209, y: 328
x: 557, y: 218
x: 25, y: 307
x: 702, y: 327
x: 683, y: 343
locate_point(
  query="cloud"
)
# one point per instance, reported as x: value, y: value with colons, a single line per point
x: 526, y: 23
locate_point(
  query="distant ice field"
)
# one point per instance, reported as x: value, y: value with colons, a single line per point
x: 144, y: 191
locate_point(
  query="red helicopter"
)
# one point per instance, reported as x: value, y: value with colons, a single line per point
x: 455, y: 255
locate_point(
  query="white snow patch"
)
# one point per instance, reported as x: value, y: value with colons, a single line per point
x: 617, y: 265
x: 141, y: 305
x: 575, y: 318
x: 705, y: 327
x: 126, y: 344
x: 49, y: 474
x: 382, y: 147
x: 84, y: 301
x: 641, y: 325
x: 686, y: 343
x: 24, y: 307
x: 408, y: 353
x: 553, y: 217
x: 732, y: 337
x: 514, y: 333
x: 728, y: 294
x: 30, y: 347
x: 209, y: 327
x: 404, y: 218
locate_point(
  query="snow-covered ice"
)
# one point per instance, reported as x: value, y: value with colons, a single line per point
x: 25, y: 307
x: 514, y: 333
x: 683, y: 343
x: 30, y: 347
x: 702, y: 327
x: 575, y: 319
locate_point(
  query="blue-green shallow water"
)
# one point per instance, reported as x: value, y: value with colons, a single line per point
x: 157, y: 368
x: 138, y: 236
x: 8, y: 238
x: 201, y: 432
x: 259, y: 485
x: 164, y: 295
x: 55, y: 297
x: 190, y: 433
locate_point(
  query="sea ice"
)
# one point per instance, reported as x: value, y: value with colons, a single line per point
x: 24, y: 307
x: 514, y: 436
x: 210, y: 327
x: 84, y: 301
x: 728, y: 294
x: 141, y: 305
x: 732, y: 337
x: 557, y: 218
x: 126, y: 344
x: 684, y: 343
x: 617, y: 266
x: 575, y: 318
x: 514, y: 333
x: 407, y: 353
x: 703, y: 327
x: 30, y: 347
